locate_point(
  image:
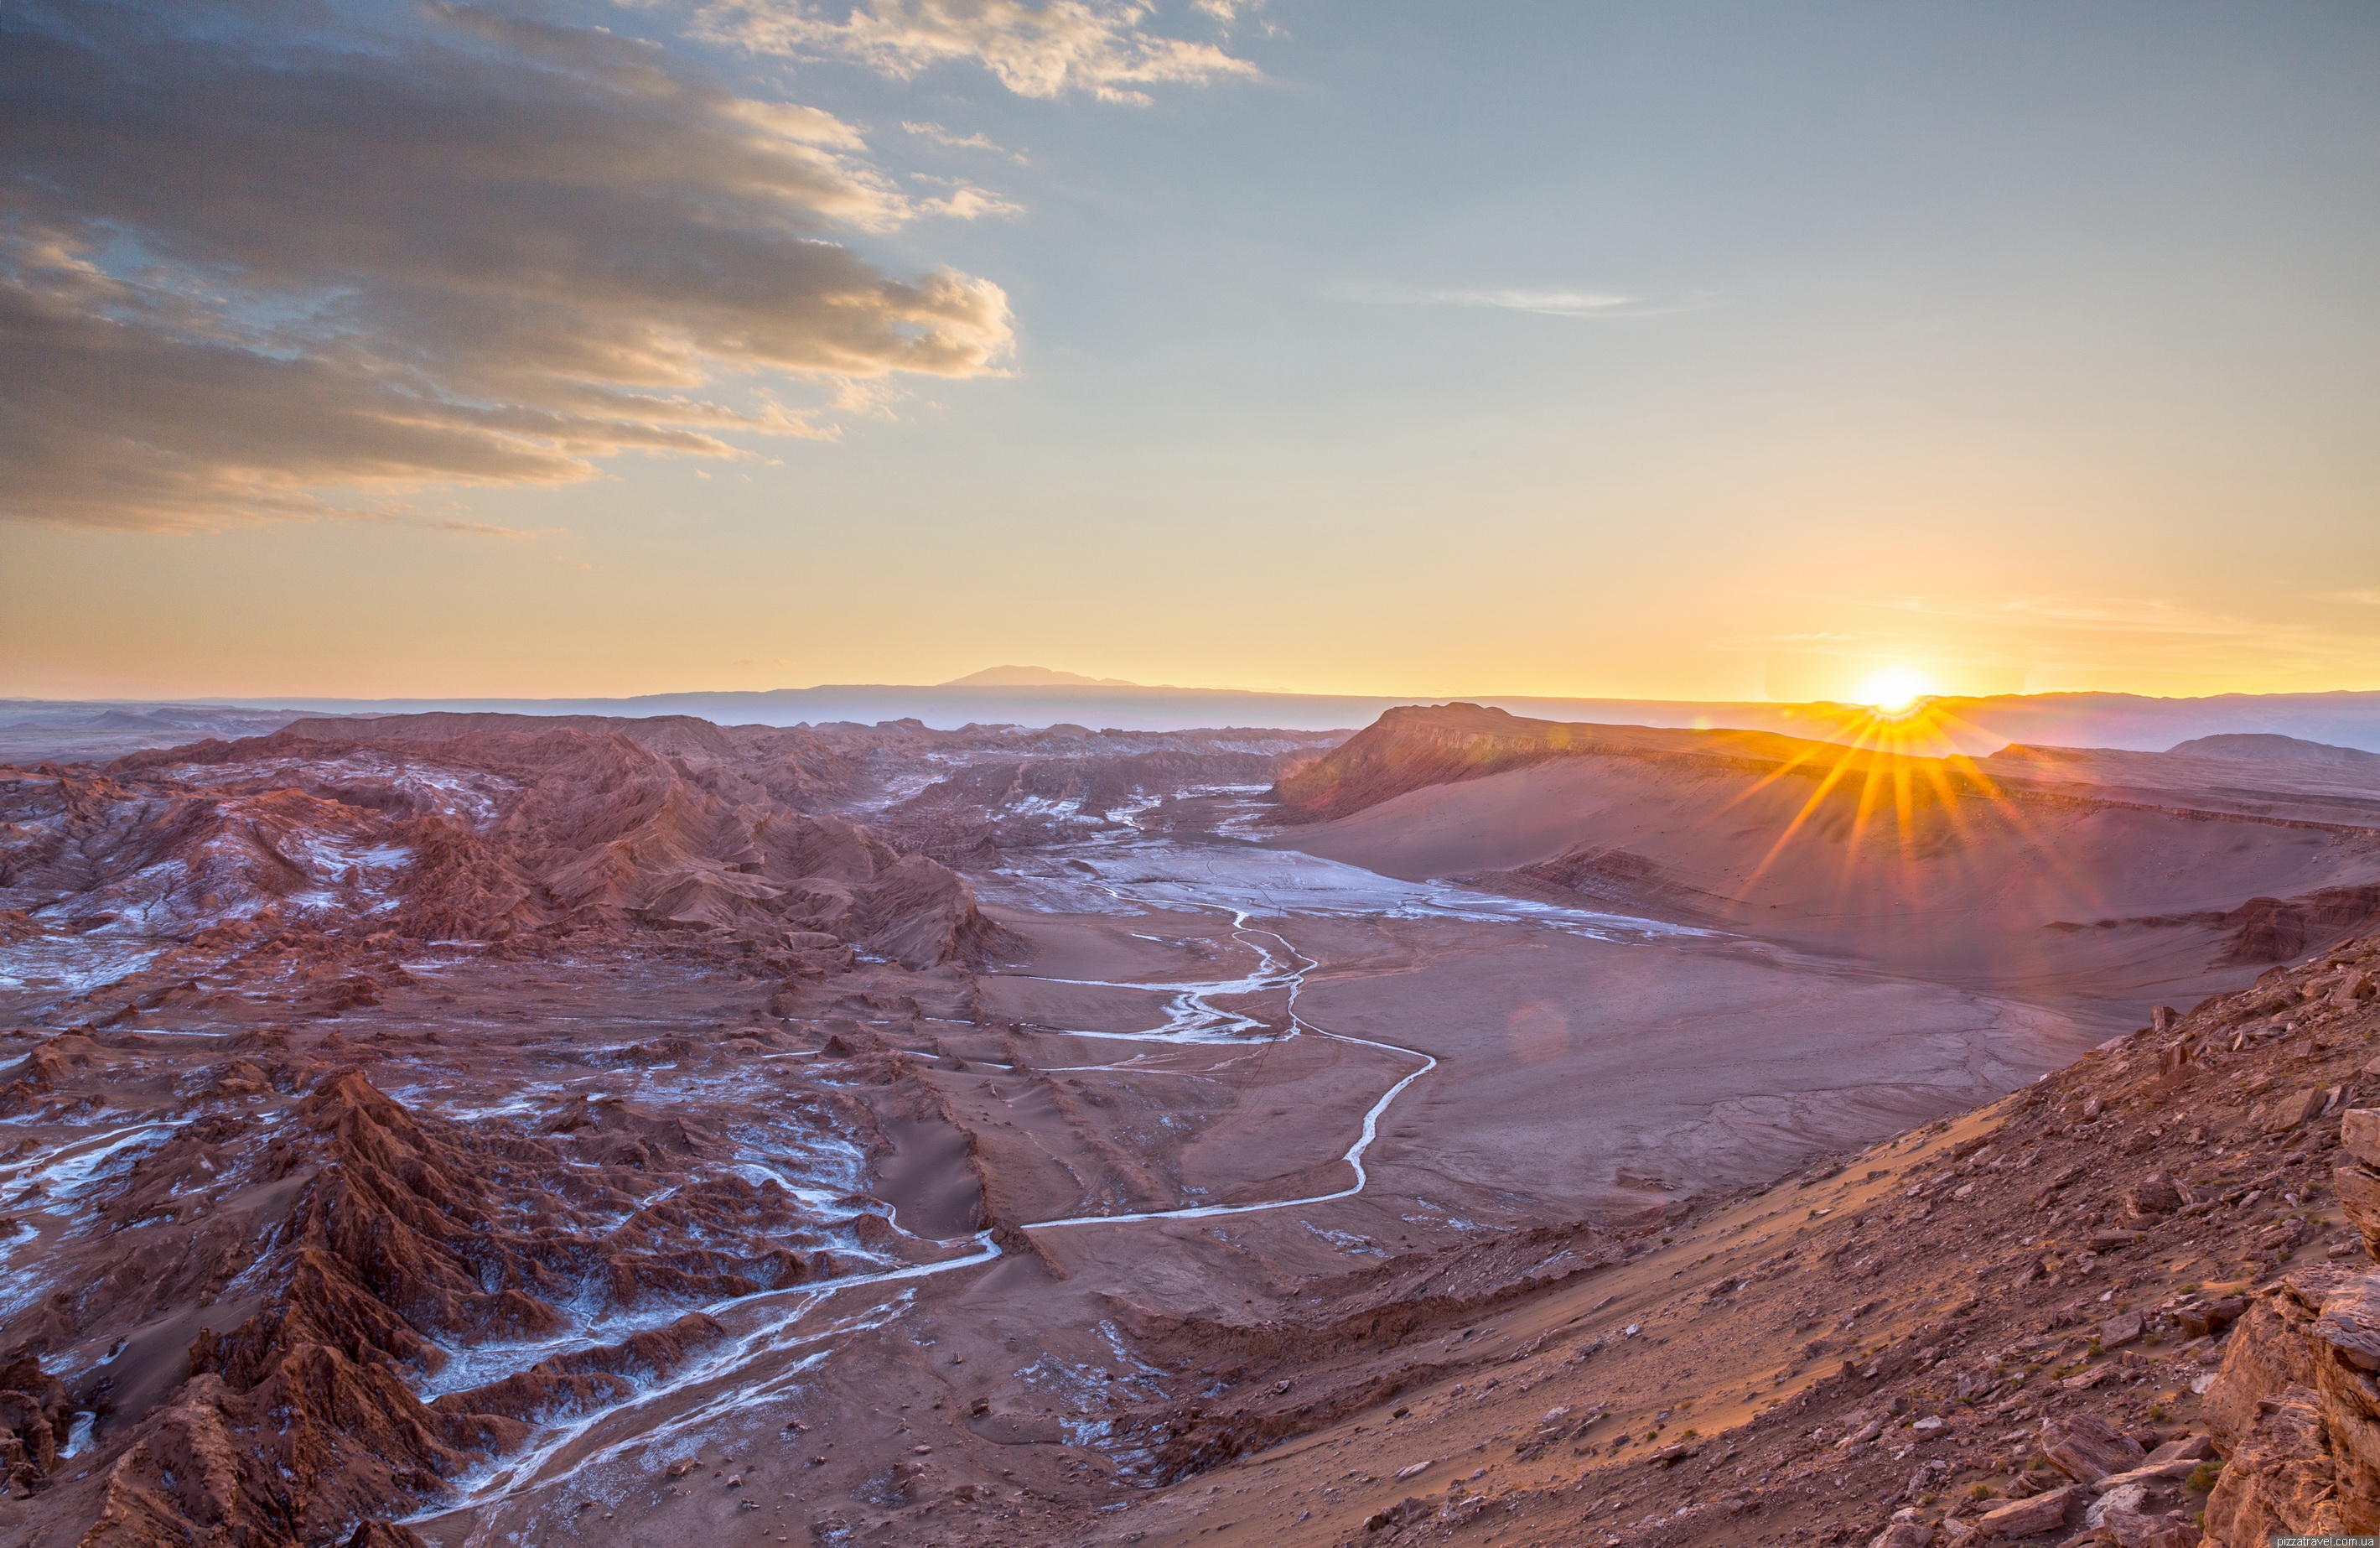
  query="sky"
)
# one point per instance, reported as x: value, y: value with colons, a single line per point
x: 1706, y: 351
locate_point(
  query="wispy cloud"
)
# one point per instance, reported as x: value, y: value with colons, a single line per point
x: 2129, y: 616
x: 965, y: 201
x: 1099, y: 47
x: 1229, y: 13
x: 976, y: 142
x: 2368, y: 596
x: 1545, y: 302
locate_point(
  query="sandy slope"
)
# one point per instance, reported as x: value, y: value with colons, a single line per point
x: 1953, y: 870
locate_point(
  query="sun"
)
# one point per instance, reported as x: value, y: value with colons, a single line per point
x: 1894, y: 688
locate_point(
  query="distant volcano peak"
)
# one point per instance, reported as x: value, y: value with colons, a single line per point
x: 1032, y: 677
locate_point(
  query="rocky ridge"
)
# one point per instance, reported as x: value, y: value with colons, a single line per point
x: 2131, y: 1305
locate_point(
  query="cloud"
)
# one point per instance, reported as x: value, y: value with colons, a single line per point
x: 965, y: 201
x: 977, y: 141
x: 2125, y: 615
x: 251, y: 268
x: 1096, y: 46
x: 1549, y: 303
x: 971, y: 203
x: 2368, y: 596
x: 1228, y: 12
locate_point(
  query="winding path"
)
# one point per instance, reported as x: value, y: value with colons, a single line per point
x: 778, y: 1336
x: 1188, y: 997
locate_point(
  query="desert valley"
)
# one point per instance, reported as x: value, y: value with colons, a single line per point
x: 1189, y: 773
x: 463, y: 1128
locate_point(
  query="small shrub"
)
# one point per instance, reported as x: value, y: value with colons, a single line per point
x: 1979, y: 1492
x: 2202, y: 1477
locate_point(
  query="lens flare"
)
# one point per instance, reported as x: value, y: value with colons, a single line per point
x: 1895, y: 688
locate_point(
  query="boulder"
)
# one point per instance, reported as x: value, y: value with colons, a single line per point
x: 2190, y: 1448
x: 2350, y: 1322
x: 2026, y: 1518
x: 2359, y: 1199
x: 2283, y: 1235
x: 2132, y: 1530
x: 2121, y: 1498
x: 2210, y: 1317
x: 2285, y: 1112
x: 2148, y: 1473
x: 2123, y: 1328
x: 2086, y: 1448
x: 2154, y: 1196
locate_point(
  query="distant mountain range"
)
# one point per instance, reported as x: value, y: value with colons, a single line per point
x: 1039, y: 696
x: 1032, y: 677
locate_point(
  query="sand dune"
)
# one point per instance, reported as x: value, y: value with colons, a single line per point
x: 2062, y: 875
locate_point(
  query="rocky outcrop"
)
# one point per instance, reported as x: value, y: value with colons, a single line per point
x: 33, y: 1421
x: 2276, y: 929
x: 403, y: 1237
x: 446, y: 827
x: 1413, y: 748
x: 2297, y: 1407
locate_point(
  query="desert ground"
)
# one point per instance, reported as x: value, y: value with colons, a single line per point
x: 473, y: 1129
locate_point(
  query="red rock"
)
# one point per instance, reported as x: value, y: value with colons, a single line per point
x: 2350, y: 1322
x: 2285, y: 1112
x: 2088, y: 1448
x: 2156, y: 1196
x: 2359, y: 1134
x: 2026, y: 1518
x: 2207, y: 1316
x: 2281, y: 1478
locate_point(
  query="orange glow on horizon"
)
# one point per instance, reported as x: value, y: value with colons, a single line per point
x: 1895, y: 689
x: 1903, y: 764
